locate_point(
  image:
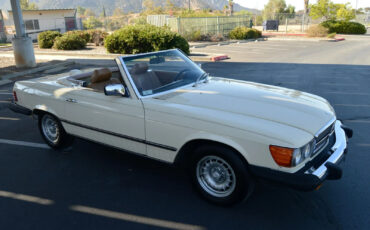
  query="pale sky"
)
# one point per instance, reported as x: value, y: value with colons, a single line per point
x: 259, y: 4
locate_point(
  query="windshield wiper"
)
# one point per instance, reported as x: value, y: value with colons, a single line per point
x: 201, y: 77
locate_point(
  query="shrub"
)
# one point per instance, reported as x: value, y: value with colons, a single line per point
x: 69, y: 42
x: 242, y: 32
x: 332, y: 35
x: 344, y: 27
x: 46, y: 38
x: 317, y: 31
x: 97, y: 36
x: 144, y: 38
x: 85, y: 35
x: 193, y: 36
x: 217, y: 38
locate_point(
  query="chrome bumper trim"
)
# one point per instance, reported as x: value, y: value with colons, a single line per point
x: 338, y: 151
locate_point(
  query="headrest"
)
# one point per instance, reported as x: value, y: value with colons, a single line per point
x: 139, y: 68
x: 100, y: 75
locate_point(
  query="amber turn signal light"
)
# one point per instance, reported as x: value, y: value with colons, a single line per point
x: 282, y: 156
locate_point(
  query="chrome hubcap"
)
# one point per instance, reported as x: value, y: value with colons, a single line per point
x: 50, y: 128
x: 216, y: 176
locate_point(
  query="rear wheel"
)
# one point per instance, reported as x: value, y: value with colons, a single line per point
x: 53, y: 132
x: 220, y: 175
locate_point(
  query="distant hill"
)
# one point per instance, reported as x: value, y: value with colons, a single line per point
x: 126, y: 5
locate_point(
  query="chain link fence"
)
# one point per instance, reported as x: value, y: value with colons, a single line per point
x: 288, y: 23
x: 203, y: 25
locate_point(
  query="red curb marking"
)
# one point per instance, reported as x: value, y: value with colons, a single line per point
x: 219, y: 58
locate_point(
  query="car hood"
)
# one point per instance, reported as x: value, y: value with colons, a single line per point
x: 285, y: 106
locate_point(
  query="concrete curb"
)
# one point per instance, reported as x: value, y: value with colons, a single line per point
x: 219, y: 58
x: 35, y: 70
x: 205, y: 44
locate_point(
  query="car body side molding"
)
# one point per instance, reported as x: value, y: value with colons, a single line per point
x: 121, y: 136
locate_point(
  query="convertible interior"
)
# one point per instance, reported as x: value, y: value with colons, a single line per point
x: 143, y: 77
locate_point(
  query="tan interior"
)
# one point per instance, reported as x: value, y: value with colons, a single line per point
x: 100, y: 78
x: 144, y: 78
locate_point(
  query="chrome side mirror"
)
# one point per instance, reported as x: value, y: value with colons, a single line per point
x: 116, y: 90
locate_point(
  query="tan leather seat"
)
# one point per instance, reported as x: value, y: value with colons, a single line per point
x: 144, y: 79
x: 100, y: 78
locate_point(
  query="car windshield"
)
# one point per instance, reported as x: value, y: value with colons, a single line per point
x: 162, y: 71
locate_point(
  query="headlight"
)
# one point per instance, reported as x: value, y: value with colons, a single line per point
x: 297, y: 157
x: 289, y: 157
x: 306, y: 150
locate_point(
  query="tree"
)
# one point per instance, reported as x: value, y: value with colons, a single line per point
x: 327, y: 10
x: 26, y: 5
x: 148, y: 5
x: 345, y: 12
x: 290, y: 9
x: 231, y: 7
x: 89, y: 13
x: 81, y: 10
x: 169, y: 5
x: 92, y: 23
x: 274, y: 7
x: 323, y: 9
x: 118, y: 12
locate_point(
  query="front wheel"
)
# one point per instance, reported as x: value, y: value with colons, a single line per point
x: 220, y: 175
x: 53, y: 132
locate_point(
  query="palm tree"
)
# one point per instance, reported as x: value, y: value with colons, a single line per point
x: 231, y: 7
x: 306, y: 4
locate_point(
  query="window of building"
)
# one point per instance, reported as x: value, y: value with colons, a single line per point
x: 32, y: 24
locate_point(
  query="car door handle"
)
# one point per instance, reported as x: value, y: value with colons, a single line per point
x: 71, y: 100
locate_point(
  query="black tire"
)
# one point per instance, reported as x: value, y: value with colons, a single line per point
x: 61, y: 140
x: 221, y: 159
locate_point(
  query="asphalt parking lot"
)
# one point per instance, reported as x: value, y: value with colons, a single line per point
x: 95, y: 187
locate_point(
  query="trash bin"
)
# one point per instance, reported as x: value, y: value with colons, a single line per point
x: 271, y: 25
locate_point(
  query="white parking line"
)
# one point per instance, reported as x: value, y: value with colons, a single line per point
x: 348, y: 93
x: 363, y: 145
x: 358, y: 121
x: 351, y: 105
x: 136, y: 219
x: 24, y: 143
x: 27, y: 198
x: 9, y: 118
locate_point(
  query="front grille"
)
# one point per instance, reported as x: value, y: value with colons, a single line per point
x: 322, y: 139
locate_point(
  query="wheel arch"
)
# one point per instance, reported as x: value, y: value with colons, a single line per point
x: 184, y: 154
x: 41, y: 109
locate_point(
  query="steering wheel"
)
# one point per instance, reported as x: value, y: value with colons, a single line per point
x: 177, y: 77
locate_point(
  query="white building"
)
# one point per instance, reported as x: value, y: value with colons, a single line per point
x: 36, y: 21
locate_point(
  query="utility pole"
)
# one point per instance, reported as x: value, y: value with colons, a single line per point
x: 189, y: 5
x: 356, y: 9
x: 22, y: 44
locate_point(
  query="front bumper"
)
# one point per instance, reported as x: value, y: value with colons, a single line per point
x: 310, y: 177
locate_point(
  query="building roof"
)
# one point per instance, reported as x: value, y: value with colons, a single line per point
x: 66, y: 9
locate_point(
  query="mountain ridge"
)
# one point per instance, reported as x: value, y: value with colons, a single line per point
x: 127, y: 5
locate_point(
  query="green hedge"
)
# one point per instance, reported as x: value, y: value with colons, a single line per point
x: 144, y: 38
x: 242, y: 32
x: 69, y: 41
x: 84, y: 34
x: 46, y: 38
x: 344, y: 27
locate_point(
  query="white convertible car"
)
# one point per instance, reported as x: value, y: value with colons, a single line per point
x: 225, y: 132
